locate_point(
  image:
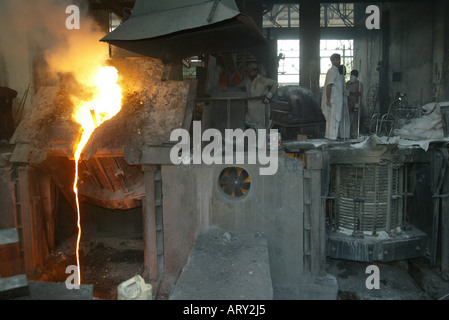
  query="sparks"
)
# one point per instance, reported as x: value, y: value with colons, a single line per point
x: 106, y: 104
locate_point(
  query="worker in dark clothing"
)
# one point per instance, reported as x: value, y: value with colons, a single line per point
x: 7, y: 95
x: 355, y: 88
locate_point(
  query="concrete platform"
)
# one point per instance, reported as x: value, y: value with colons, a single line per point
x: 13, y: 287
x: 57, y: 291
x: 226, y: 266
x: 8, y: 236
x: 10, y: 256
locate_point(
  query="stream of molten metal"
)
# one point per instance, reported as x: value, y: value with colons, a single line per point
x: 105, y: 104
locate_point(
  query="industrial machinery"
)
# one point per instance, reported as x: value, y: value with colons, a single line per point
x: 295, y: 110
x: 367, y: 205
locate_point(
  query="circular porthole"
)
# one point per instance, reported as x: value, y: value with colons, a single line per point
x: 235, y: 182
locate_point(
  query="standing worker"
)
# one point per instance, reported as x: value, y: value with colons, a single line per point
x: 355, y: 88
x: 332, y: 99
x: 258, y: 86
x: 345, y: 123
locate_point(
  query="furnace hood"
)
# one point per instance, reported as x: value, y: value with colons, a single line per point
x: 175, y: 29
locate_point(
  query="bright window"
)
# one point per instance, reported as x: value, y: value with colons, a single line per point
x: 287, y: 15
x: 289, y: 70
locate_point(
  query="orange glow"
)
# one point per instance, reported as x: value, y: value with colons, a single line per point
x: 105, y: 104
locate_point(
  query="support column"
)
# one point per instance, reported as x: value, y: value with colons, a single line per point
x: 438, y: 39
x: 384, y: 63
x: 314, y: 214
x: 445, y: 228
x: 35, y: 207
x: 149, y: 226
x: 443, y: 5
x: 438, y: 170
x: 309, y: 48
x: 29, y: 250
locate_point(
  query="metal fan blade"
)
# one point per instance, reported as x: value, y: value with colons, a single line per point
x: 243, y: 175
x: 245, y: 185
x: 238, y: 192
x: 228, y: 189
x: 225, y: 179
x: 233, y: 172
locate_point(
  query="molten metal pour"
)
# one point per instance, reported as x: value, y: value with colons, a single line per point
x: 106, y: 104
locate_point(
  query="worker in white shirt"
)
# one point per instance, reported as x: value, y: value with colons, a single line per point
x: 332, y: 99
x: 258, y: 86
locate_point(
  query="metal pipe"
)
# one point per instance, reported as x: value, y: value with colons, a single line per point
x: 405, y: 196
x: 401, y: 197
x: 337, y: 195
x: 389, y: 198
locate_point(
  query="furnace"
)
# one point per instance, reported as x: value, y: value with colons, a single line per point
x: 111, y: 169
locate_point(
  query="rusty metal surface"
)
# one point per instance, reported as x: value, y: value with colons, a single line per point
x: 111, y: 183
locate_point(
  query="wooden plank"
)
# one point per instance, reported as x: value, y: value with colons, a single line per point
x: 10, y: 261
x: 27, y: 218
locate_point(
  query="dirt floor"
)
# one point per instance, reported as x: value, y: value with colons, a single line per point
x: 395, y: 283
x: 105, y: 268
x: 109, y: 261
x: 106, y: 263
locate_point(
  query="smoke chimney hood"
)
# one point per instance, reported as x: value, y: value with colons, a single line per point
x: 172, y: 30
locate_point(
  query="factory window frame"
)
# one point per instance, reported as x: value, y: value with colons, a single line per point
x: 189, y: 66
x: 114, y: 21
x: 188, y: 72
x: 328, y: 47
x: 281, y: 16
x: 289, y: 70
x: 287, y: 15
x: 337, y: 15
